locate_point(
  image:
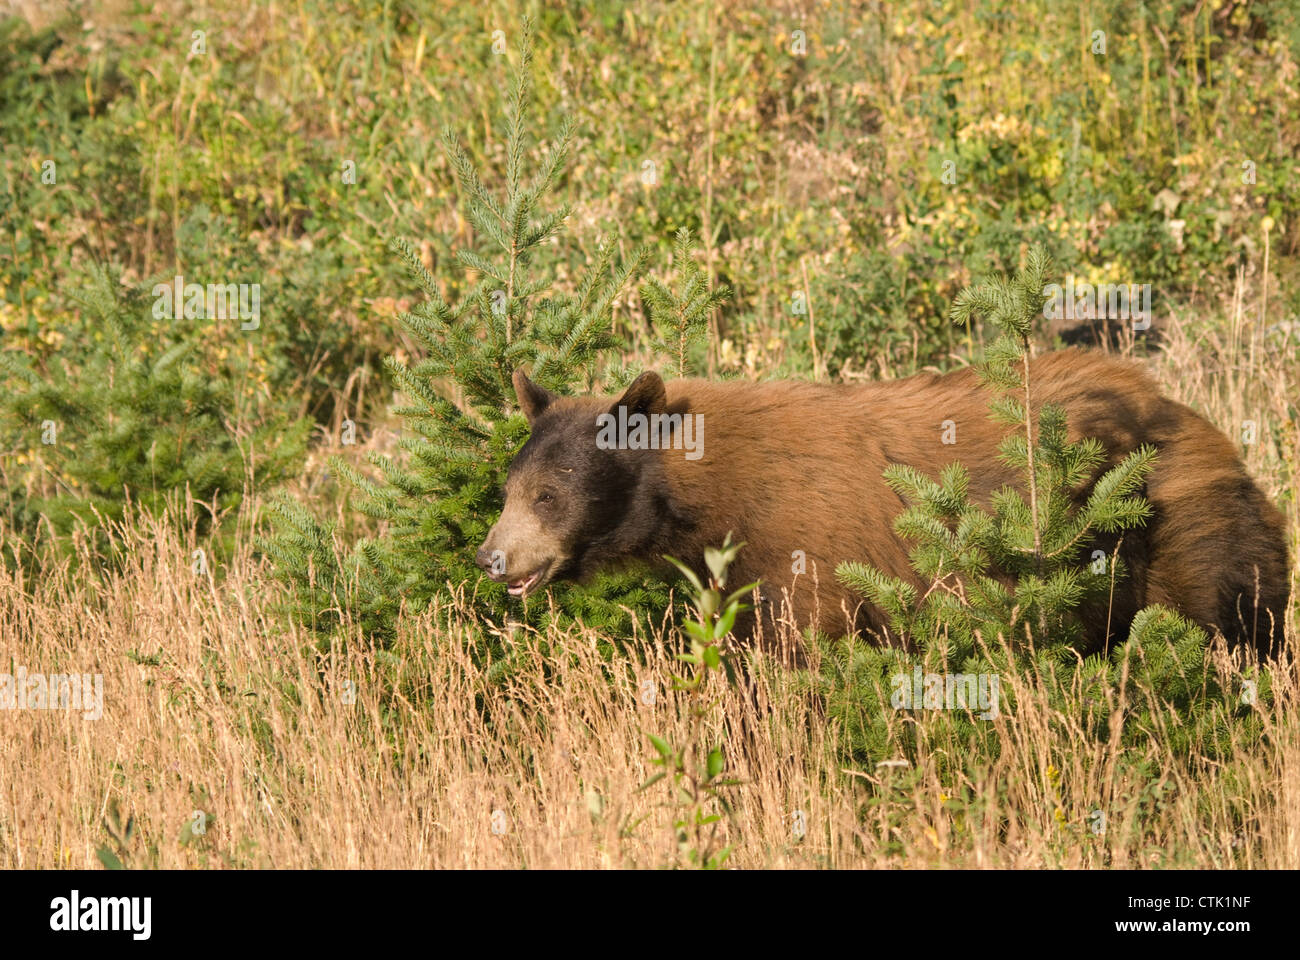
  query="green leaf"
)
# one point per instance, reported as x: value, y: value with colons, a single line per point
x: 735, y: 595
x: 716, y: 762
x: 698, y: 631
x: 687, y: 572
x: 651, y: 781
x: 725, y: 622
x: 109, y: 859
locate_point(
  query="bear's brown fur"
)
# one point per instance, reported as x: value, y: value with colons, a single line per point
x: 792, y: 466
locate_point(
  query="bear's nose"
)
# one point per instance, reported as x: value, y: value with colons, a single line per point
x: 485, y: 559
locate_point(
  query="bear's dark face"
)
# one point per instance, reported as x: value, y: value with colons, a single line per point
x: 568, y: 503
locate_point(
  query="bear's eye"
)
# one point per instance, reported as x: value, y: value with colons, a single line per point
x: 545, y: 498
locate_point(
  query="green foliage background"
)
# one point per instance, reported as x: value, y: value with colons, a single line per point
x: 821, y: 170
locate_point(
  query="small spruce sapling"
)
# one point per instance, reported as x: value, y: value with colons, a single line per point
x: 1002, y: 587
x: 682, y: 319
x: 967, y: 554
x: 437, y: 502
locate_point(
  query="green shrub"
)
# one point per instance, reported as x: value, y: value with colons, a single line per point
x: 132, y: 414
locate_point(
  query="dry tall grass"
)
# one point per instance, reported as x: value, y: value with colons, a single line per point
x: 410, y: 758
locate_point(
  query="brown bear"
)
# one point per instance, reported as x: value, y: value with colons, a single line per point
x: 794, y: 470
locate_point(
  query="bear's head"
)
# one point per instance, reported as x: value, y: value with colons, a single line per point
x: 573, y: 503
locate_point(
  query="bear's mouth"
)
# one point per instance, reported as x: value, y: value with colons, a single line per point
x: 524, y: 585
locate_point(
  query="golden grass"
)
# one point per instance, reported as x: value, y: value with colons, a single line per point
x: 211, y: 704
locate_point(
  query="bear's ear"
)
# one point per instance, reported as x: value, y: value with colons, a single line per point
x: 645, y: 394
x: 533, y: 400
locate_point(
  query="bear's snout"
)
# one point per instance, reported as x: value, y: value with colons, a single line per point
x: 487, y: 560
